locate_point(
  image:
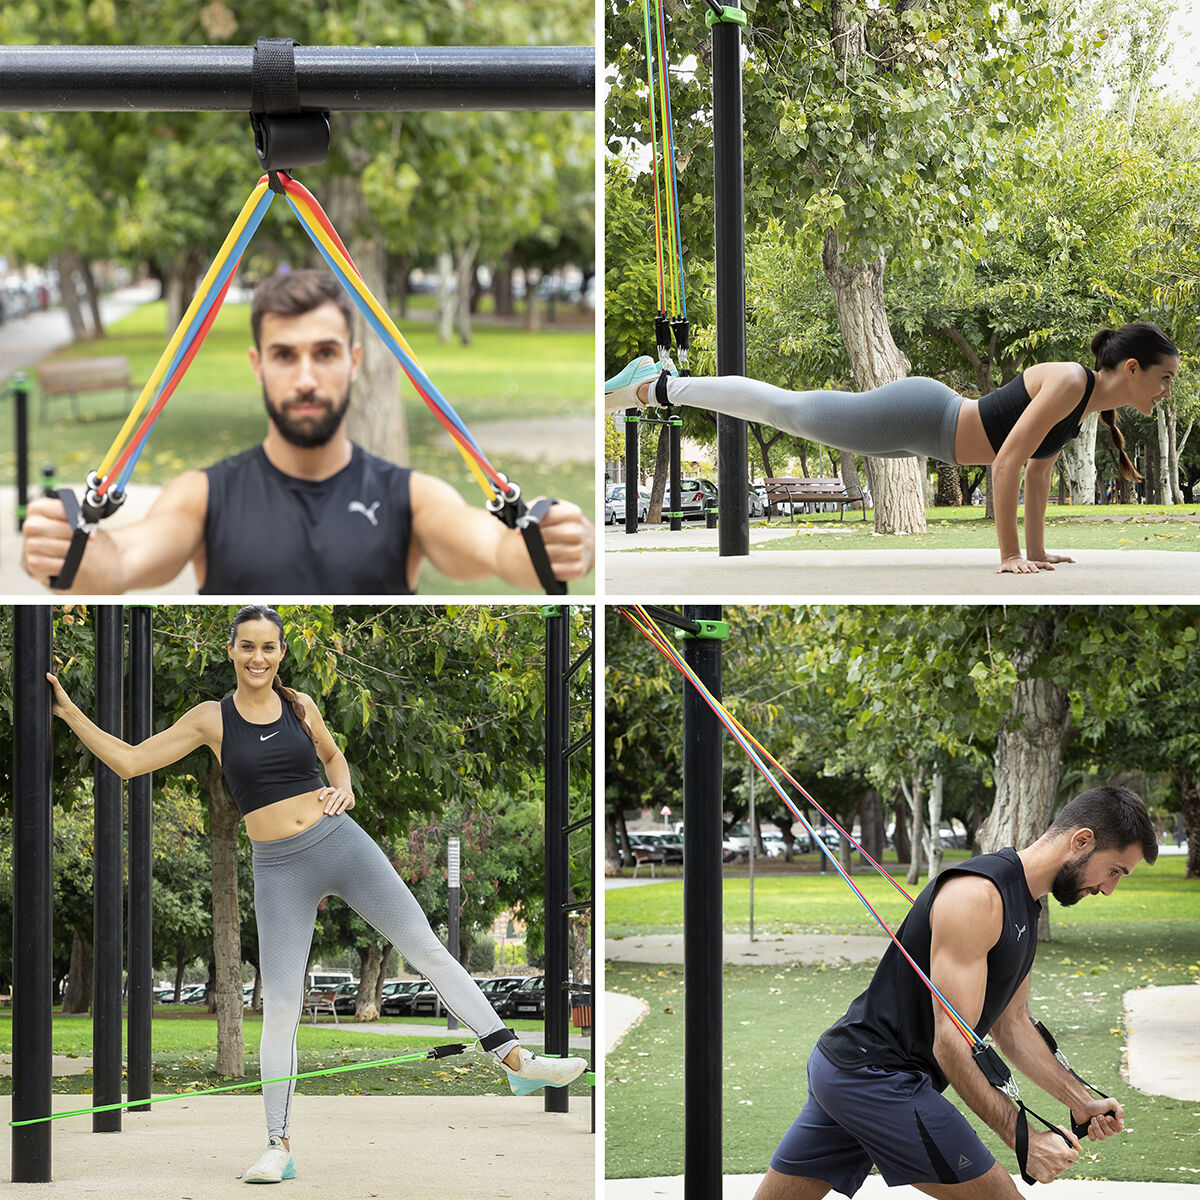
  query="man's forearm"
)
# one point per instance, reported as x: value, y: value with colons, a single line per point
x: 1025, y: 1048
x: 987, y: 1102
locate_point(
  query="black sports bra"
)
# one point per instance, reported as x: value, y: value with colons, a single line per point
x: 1000, y: 410
x: 266, y: 763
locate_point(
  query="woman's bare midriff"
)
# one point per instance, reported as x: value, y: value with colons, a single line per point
x: 971, y: 445
x: 285, y: 818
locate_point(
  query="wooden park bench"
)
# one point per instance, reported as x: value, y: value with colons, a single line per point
x: 645, y: 857
x: 813, y: 491
x: 82, y: 375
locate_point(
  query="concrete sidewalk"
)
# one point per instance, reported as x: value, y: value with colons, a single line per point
x: 351, y: 1147
x: 743, y: 1187
x: 768, y: 950
x: 696, y: 571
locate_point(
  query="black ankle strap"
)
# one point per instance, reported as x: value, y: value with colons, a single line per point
x: 492, y: 1040
x: 660, y: 389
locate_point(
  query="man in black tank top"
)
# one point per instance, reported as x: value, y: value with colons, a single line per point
x: 875, y: 1077
x: 307, y: 512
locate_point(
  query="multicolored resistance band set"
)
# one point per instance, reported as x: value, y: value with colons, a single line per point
x: 671, y: 315
x: 106, y: 485
x: 989, y: 1062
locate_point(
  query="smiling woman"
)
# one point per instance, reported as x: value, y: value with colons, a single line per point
x: 272, y: 744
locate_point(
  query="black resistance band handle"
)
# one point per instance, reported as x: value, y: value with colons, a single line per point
x: 1079, y: 1129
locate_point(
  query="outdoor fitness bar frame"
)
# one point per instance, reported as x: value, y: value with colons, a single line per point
x: 337, y: 78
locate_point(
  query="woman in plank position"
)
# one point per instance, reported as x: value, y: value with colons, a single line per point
x: 1025, y: 423
x: 271, y: 742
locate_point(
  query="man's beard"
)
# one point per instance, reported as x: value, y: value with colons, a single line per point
x: 1067, y: 889
x: 308, y: 432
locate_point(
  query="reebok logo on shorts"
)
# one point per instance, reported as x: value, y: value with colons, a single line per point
x: 963, y: 1161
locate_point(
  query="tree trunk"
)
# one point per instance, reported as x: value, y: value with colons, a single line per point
x: 180, y: 969
x: 914, y: 794
x: 949, y: 486
x: 375, y: 420
x: 1028, y: 753
x: 502, y: 287
x: 870, y: 821
x: 1189, y: 790
x: 936, y: 791
x: 371, y: 959
x: 67, y: 262
x: 224, y: 822
x: 897, y: 484
x: 92, y: 296
x: 900, y: 832
x: 533, y: 312
x: 77, y: 998
x: 612, y: 849
x: 465, y: 274
x: 658, y: 485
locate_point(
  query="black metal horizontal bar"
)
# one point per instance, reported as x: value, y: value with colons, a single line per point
x: 575, y: 826
x: 584, y: 657
x: 577, y: 906
x: 667, y: 617
x: 586, y: 740
x: 338, y: 78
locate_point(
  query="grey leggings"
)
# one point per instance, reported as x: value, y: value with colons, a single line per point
x: 291, y: 877
x: 906, y: 417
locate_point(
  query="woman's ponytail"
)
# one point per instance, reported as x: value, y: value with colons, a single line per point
x: 297, y: 705
x: 1128, y: 470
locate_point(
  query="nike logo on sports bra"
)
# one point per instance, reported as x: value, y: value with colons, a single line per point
x: 266, y: 737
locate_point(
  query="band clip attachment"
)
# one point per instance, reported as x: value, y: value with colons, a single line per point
x: 510, y: 509
x: 285, y: 135
x: 84, y: 516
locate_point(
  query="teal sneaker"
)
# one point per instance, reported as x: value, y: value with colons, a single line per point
x: 621, y: 390
x: 538, y: 1071
x: 275, y: 1166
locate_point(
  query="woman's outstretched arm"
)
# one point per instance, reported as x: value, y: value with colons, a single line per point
x: 197, y: 727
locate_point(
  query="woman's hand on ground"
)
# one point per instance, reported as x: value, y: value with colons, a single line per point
x: 1018, y: 564
x: 336, y: 801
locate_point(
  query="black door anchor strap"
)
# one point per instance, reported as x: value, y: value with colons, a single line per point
x: 998, y: 1075
x: 1080, y: 1131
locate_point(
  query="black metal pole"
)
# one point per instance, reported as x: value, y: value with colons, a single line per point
x: 20, y: 392
x: 107, y: 878
x: 345, y: 78
x: 730, y: 234
x: 676, y: 437
x: 558, y: 724
x: 32, y: 892
x: 141, y: 861
x: 632, y: 471
x: 702, y: 920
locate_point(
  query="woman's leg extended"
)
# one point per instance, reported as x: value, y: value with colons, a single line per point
x: 370, y: 885
x: 909, y: 416
x: 286, y: 895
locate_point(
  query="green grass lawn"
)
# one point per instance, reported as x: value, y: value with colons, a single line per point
x: 507, y: 373
x: 1073, y: 527
x: 185, y: 1053
x: 1146, y: 933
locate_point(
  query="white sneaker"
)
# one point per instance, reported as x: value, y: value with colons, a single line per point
x: 275, y: 1165
x: 538, y: 1071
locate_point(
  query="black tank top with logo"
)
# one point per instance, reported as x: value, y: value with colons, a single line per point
x: 1000, y: 410
x: 265, y: 531
x: 263, y: 764
x: 891, y: 1023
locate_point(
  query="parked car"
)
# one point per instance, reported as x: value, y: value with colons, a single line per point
x: 398, y: 996
x: 426, y: 1002
x: 528, y: 1000
x: 614, y: 504
x: 670, y: 844
x: 697, y: 496
x: 196, y: 993
x: 758, y: 502
x: 497, y: 990
x: 345, y: 998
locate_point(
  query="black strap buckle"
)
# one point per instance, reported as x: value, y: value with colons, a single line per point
x: 1079, y: 1130
x: 285, y: 135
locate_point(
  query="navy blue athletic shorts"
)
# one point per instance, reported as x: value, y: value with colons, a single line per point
x: 893, y: 1119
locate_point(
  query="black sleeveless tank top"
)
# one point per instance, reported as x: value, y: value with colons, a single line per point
x: 266, y: 763
x: 1000, y: 410
x: 891, y: 1023
x: 265, y: 531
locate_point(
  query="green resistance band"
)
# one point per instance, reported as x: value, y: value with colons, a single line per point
x: 416, y: 1056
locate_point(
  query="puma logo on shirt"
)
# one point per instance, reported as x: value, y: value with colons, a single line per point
x: 359, y: 507
x: 1020, y: 930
